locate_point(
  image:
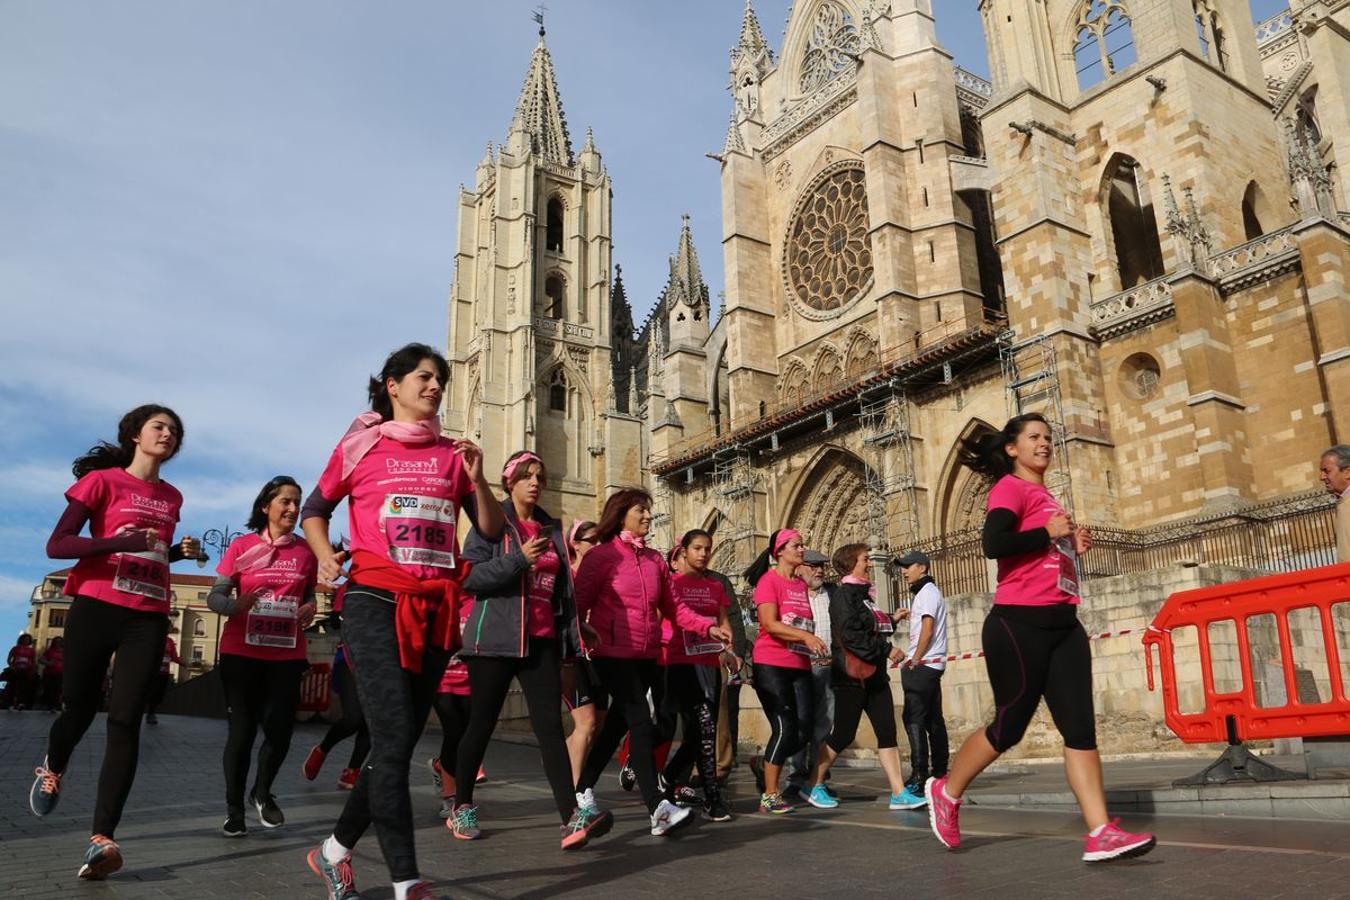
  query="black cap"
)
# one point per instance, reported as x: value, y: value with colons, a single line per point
x: 913, y: 558
x: 815, y: 558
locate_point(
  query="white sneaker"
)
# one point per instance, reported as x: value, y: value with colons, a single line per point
x: 586, y: 800
x: 668, y: 817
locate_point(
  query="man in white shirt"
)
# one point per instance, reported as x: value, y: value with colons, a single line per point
x: 921, y: 677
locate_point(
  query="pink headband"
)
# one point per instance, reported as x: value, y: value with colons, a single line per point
x: 523, y: 459
x: 784, y: 536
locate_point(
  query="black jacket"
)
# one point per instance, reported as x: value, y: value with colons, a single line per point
x: 498, y: 580
x: 852, y: 625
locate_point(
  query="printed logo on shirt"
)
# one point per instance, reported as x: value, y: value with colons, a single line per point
x: 162, y: 507
x: 413, y: 466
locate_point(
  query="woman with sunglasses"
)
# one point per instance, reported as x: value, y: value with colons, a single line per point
x: 583, y: 693
x: 266, y: 588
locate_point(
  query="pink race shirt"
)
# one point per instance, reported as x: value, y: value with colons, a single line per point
x: 119, y: 502
x: 706, y: 597
x: 456, y: 677
x: 540, y: 580
x: 271, y: 628
x: 794, y: 608
x: 1045, y: 577
x: 403, y: 503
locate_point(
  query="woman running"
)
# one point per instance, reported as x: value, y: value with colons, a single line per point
x: 404, y: 483
x: 266, y: 587
x: 121, y: 607
x: 623, y: 588
x: 858, y: 674
x: 21, y: 667
x: 523, y: 625
x: 352, y: 722
x: 1034, y: 645
x: 692, y: 674
x: 783, y: 654
x: 585, y: 698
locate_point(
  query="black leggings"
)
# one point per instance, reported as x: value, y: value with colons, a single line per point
x: 924, y: 723
x: 540, y: 677
x: 258, y: 692
x: 397, y: 703
x: 789, y: 704
x: 851, y: 699
x: 1033, y: 652
x: 453, y: 712
x: 353, y: 721
x: 159, y: 686
x: 94, y: 632
x: 691, y: 694
x: 628, y: 681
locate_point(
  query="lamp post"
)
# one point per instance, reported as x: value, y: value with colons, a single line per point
x: 220, y: 541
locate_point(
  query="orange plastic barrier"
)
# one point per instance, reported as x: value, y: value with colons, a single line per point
x: 314, y: 686
x: 1238, y: 716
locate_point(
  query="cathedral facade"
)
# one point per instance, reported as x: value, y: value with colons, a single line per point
x: 1137, y: 227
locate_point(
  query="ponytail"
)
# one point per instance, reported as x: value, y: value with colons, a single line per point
x: 762, y: 563
x: 985, y: 455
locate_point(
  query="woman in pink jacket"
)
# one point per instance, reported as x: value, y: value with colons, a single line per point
x: 623, y: 589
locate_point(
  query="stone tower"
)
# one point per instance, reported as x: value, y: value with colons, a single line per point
x: 530, y: 307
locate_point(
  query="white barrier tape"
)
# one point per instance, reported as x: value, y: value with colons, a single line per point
x: 957, y: 657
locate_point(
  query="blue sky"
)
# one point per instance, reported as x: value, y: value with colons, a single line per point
x: 239, y: 208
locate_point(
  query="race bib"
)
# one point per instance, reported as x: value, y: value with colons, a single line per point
x: 1068, y: 566
x: 803, y: 624
x: 145, y: 574
x: 698, y: 646
x: 272, y: 621
x: 420, y: 530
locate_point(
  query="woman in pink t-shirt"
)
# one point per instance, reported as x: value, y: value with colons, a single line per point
x: 1034, y: 645
x: 266, y: 587
x: 784, y: 652
x: 121, y: 607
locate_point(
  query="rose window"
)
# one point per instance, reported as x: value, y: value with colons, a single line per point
x: 829, y: 252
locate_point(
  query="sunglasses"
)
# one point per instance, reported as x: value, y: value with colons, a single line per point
x: 583, y: 540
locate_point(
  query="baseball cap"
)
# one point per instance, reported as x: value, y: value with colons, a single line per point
x: 913, y: 557
x: 815, y: 558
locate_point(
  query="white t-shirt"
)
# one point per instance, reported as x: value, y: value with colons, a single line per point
x: 929, y: 602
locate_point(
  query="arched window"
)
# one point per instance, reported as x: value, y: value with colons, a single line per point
x: 1210, y: 34
x: 557, y: 391
x: 199, y: 628
x: 554, y: 293
x: 1306, y: 115
x: 1134, y: 228
x: 553, y: 235
x: 1257, y: 213
x: 1105, y: 42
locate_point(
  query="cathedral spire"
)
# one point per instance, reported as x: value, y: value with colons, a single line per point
x: 752, y: 42
x: 540, y: 108
x: 686, y: 274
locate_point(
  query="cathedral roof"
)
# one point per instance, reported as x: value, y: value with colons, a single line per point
x: 539, y: 110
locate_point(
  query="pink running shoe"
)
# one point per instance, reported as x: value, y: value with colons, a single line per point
x: 314, y: 762
x: 482, y: 776
x: 944, y: 814
x: 347, y: 780
x: 1114, y: 842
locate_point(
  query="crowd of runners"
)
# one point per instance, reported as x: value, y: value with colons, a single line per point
x: 646, y: 649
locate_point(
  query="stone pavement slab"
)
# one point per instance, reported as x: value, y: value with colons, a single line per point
x: 174, y: 850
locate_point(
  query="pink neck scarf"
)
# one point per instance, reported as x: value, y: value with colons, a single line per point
x: 637, y: 542
x: 367, y: 429
x: 854, y: 579
x: 261, y: 555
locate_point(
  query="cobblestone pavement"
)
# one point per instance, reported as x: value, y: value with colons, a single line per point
x: 173, y: 847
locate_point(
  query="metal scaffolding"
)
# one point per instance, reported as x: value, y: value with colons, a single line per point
x: 892, y: 488
x: 663, y: 520
x: 733, y: 479
x: 1031, y: 383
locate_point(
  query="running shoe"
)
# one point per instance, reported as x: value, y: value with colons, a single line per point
x: 717, y: 810
x: 447, y: 807
x: 422, y: 891
x: 944, y: 813
x: 46, y: 790
x: 585, y: 824
x: 684, y: 796
x: 464, y: 823
x: 234, y: 826
x: 756, y: 765
x: 774, y: 803
x: 102, y: 858
x: 480, y: 777
x: 820, y: 798
x: 908, y: 799
x: 337, y: 877
x: 834, y: 795
x: 314, y: 762
x: 792, y: 793
x: 347, y: 780
x: 1114, y: 842
x: 269, y: 814
x: 627, y: 778
x: 668, y: 817
x: 151, y: 719
x: 586, y: 800
x: 434, y: 765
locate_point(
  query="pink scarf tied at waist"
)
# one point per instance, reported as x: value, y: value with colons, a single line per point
x: 367, y: 429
